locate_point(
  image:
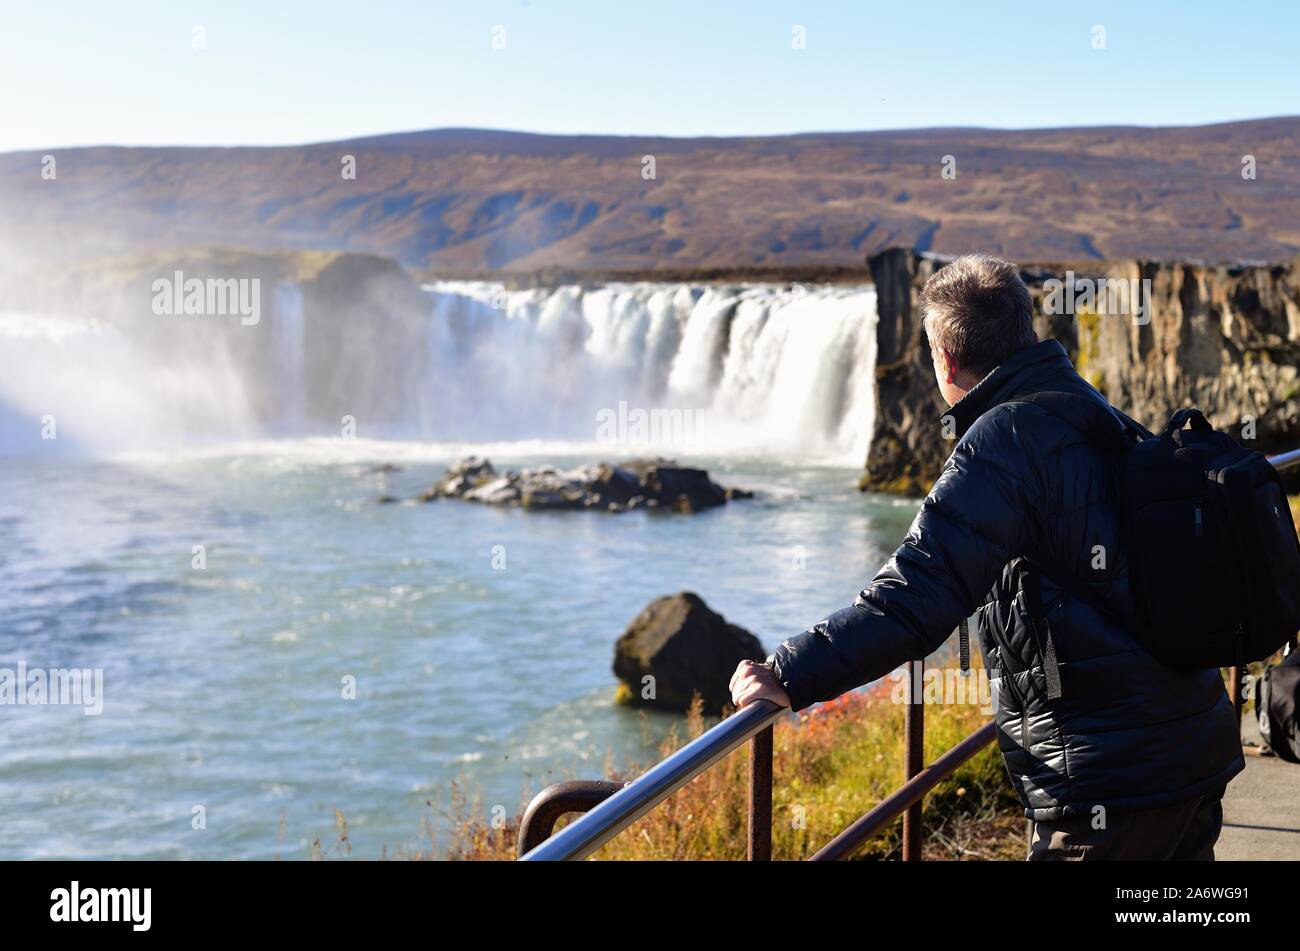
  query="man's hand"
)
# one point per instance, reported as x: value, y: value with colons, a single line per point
x: 754, y: 681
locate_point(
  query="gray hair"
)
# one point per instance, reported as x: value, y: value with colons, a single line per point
x: 979, y: 310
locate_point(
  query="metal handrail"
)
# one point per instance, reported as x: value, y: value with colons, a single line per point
x: 613, y: 811
x: 1285, y: 460
x: 557, y: 800
x: 584, y: 836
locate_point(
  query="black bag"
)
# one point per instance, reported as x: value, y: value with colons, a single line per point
x: 1212, y: 547
x: 1277, y: 705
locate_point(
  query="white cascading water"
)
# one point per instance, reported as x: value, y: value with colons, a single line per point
x: 757, y: 369
x: 768, y: 369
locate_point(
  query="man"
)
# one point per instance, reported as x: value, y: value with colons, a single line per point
x: 1113, y: 755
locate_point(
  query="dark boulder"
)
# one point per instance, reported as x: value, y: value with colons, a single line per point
x: 682, y: 489
x: 686, y: 648
x: 616, y: 483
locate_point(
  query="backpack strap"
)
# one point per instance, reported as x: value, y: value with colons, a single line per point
x: 1041, y: 628
x: 1132, y: 426
x: 1096, y: 420
x: 1108, y: 429
x: 1102, y: 424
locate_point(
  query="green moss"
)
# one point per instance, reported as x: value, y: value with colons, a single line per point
x: 904, y: 484
x: 1088, y: 333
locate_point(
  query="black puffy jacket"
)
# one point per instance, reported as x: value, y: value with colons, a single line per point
x: 1022, y: 498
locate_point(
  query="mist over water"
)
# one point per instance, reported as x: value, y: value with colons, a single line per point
x: 88, y: 387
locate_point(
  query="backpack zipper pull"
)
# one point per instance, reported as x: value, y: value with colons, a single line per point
x: 1051, y: 667
x: 963, y: 646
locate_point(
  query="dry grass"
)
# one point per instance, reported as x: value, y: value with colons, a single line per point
x: 831, y: 764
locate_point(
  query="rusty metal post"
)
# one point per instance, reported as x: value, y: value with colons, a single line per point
x: 760, y: 797
x: 915, y: 757
x: 897, y: 802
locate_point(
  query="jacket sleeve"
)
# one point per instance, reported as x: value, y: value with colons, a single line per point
x: 977, y: 517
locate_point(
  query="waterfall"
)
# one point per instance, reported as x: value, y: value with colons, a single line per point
x: 758, y: 369
x: 769, y: 369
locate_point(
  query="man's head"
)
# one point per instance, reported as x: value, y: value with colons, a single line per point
x: 977, y: 314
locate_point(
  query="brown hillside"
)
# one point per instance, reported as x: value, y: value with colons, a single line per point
x: 472, y: 200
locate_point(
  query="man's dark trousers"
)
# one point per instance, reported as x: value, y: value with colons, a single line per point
x: 1181, y: 832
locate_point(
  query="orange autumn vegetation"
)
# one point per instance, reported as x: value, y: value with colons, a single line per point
x: 832, y: 763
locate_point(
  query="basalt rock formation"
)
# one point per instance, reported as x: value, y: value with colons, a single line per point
x: 1223, y: 338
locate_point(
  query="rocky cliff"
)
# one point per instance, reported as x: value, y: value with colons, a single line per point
x: 1225, y: 339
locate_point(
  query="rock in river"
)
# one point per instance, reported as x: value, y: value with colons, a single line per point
x: 686, y: 648
x: 640, y: 483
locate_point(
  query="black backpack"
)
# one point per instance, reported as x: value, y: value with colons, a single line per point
x: 1212, y: 549
x: 1277, y: 705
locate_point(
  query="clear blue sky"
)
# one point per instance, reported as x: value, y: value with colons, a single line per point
x: 78, y: 72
